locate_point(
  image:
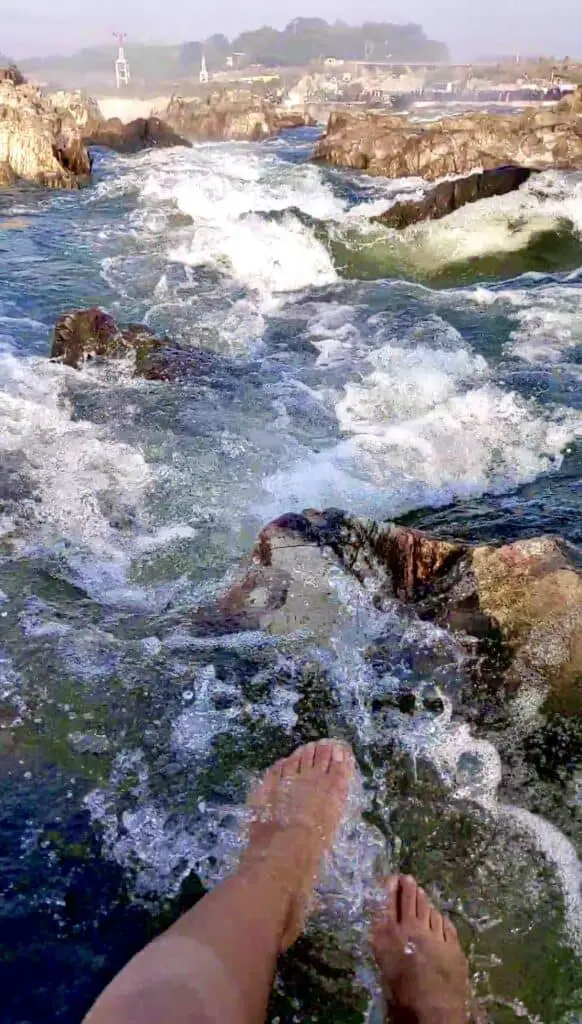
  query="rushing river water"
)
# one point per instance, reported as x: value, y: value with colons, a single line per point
x: 435, y: 375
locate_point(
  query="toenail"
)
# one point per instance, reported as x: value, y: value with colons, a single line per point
x: 339, y: 754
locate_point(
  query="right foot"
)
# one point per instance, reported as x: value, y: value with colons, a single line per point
x: 425, y: 975
x: 296, y: 812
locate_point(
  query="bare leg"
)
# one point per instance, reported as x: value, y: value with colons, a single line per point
x: 425, y: 975
x: 216, y: 965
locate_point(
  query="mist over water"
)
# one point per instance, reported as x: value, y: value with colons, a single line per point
x: 434, y: 373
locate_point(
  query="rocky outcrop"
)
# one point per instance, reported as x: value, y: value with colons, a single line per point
x: 223, y: 118
x: 395, y: 147
x: 452, y: 194
x: 516, y: 609
x: 12, y: 74
x: 113, y: 133
x: 573, y: 103
x: 84, y: 335
x: 38, y: 143
x: 84, y: 110
x: 143, y: 133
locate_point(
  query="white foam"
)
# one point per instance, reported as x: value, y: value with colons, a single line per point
x: 407, y: 381
x: 421, y: 439
x: 80, y: 494
x: 475, y: 771
x: 225, y: 191
x: 547, y: 318
x: 268, y: 256
x: 74, y: 466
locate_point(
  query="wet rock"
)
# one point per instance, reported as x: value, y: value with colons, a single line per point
x: 86, y: 334
x: 396, y: 148
x: 519, y: 604
x: 451, y: 195
x: 143, y: 133
x: 533, y: 592
x: 229, y: 116
x: 89, y: 743
x: 38, y: 143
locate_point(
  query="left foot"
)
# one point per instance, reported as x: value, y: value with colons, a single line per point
x: 297, y: 810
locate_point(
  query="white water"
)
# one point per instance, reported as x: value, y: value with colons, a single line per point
x: 503, y: 224
x: 356, y: 403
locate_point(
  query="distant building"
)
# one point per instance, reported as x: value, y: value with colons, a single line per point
x: 334, y: 62
x: 204, y: 76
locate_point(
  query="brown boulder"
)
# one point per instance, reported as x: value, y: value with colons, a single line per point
x: 144, y: 133
x: 86, y: 334
x: 573, y: 103
x: 451, y: 195
x: 533, y: 592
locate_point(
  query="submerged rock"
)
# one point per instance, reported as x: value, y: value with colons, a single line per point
x: 451, y: 195
x: 396, y: 148
x: 231, y: 116
x: 174, y: 362
x: 38, y: 143
x: 521, y: 602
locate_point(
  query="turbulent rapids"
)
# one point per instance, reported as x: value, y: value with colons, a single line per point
x: 432, y: 376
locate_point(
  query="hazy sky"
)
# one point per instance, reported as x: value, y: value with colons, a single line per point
x: 30, y: 27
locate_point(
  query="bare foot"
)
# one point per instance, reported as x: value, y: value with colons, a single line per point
x: 425, y: 975
x: 296, y: 812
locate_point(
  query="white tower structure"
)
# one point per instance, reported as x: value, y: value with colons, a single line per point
x: 122, y: 72
x: 204, y: 76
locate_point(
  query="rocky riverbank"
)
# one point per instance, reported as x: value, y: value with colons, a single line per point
x: 39, y: 143
x: 481, y: 155
x: 396, y: 147
x: 231, y: 116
